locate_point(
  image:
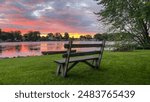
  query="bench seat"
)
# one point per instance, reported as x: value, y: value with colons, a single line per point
x: 78, y: 59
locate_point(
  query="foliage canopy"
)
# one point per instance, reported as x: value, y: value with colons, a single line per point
x: 131, y: 16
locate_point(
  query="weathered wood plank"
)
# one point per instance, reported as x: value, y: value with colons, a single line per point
x: 77, y: 59
x: 83, y: 45
x: 74, y: 54
x: 55, y: 52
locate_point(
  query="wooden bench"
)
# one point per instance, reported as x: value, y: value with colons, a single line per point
x: 91, y: 58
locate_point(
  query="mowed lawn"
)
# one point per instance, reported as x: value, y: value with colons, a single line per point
x: 117, y: 68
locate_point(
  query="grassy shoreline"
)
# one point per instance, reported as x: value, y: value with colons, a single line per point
x: 117, y: 68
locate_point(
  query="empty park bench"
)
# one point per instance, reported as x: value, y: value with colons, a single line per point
x: 91, y: 58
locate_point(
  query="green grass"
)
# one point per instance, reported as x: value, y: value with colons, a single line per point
x: 117, y: 68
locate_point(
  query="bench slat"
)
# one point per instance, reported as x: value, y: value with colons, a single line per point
x: 77, y: 59
x: 74, y: 54
x: 83, y: 45
x: 55, y: 52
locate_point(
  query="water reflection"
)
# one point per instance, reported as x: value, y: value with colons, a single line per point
x: 15, y: 49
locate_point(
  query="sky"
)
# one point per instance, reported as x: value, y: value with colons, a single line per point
x: 72, y: 16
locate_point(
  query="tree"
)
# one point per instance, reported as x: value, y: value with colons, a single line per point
x: 88, y: 37
x: 32, y: 36
x: 50, y: 36
x: 130, y: 16
x: 16, y: 35
x: 58, y: 36
x: 82, y: 37
x: 66, y: 36
x: 98, y: 36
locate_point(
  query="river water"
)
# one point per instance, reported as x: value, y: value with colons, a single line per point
x: 20, y: 49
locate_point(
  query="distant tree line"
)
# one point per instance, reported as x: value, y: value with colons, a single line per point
x: 10, y: 36
x: 16, y: 36
x: 55, y: 37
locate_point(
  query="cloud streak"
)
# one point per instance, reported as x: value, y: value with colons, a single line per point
x: 74, y: 16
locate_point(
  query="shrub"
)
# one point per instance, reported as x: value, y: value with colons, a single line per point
x: 124, y: 46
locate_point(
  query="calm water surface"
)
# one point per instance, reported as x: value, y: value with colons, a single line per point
x: 15, y: 49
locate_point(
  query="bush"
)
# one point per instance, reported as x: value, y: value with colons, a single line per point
x: 124, y: 46
x: 141, y: 47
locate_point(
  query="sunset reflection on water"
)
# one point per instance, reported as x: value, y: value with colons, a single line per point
x: 18, y: 49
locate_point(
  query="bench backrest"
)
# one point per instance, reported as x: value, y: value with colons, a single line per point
x: 70, y: 45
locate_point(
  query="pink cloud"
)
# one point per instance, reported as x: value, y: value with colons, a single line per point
x: 18, y: 15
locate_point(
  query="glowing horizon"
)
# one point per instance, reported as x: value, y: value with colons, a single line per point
x: 71, y: 35
x: 75, y: 35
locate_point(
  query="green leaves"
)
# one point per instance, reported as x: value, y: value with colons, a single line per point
x: 132, y: 16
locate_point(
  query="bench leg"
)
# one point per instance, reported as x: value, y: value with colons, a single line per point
x: 93, y: 61
x: 58, y: 70
x: 63, y: 71
x: 96, y: 64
